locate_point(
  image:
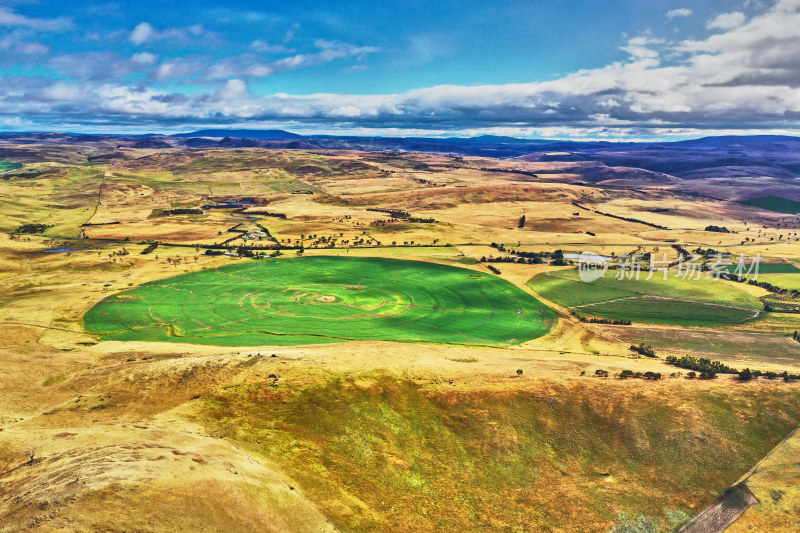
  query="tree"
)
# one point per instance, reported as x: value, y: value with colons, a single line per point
x: 645, y: 350
x: 519, y: 372
x: 31, y: 453
x: 745, y: 375
x: 521, y: 223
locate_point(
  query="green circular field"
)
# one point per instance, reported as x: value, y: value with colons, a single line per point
x: 324, y: 299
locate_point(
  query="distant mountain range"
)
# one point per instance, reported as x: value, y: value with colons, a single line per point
x: 489, y: 145
x: 775, y: 156
x: 485, y: 139
x: 242, y: 134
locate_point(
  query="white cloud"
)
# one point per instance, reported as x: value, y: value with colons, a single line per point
x: 641, y: 47
x: 261, y: 46
x: 145, y: 33
x: 233, y: 90
x: 290, y: 33
x: 61, y: 92
x: 237, y: 16
x: 144, y: 58
x: 108, y: 9
x: 197, y: 30
x: 754, y: 4
x: 253, y: 66
x: 9, y: 17
x: 266, y: 47
x: 234, y: 67
x: 142, y: 33
x: 329, y: 51
x: 170, y: 70
x: 681, y: 12
x: 15, y: 43
x: 15, y: 122
x: 726, y: 21
x: 91, y: 66
x: 35, y: 49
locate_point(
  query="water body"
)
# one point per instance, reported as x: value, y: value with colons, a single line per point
x: 59, y: 250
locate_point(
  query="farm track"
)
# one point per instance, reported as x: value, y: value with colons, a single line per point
x: 722, y: 512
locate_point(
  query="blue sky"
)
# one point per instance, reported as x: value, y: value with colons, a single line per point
x: 557, y: 69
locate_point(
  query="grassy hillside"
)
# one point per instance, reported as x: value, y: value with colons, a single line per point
x: 774, y: 481
x: 736, y: 348
x: 379, y: 453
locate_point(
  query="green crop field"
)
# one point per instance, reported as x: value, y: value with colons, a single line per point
x: 775, y: 203
x: 675, y: 301
x: 324, y: 299
x: 766, y: 268
x: 784, y: 281
x: 654, y: 310
x: 5, y: 166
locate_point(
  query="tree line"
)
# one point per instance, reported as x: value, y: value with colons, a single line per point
x: 32, y: 229
x: 531, y: 258
x: 271, y: 214
x: 604, y: 321
x: 397, y: 215
x: 625, y: 374
x: 718, y: 229
x: 626, y: 219
x: 709, y: 369
x: 150, y: 247
x: 184, y: 211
